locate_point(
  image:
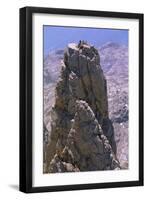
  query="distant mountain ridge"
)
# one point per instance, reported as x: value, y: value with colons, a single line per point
x: 112, y: 55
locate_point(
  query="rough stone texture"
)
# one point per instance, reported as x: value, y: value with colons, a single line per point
x: 87, y: 148
x: 82, y: 136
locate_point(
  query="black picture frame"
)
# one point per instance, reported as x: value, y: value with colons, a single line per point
x: 26, y: 92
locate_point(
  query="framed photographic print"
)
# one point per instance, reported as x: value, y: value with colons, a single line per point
x: 81, y: 99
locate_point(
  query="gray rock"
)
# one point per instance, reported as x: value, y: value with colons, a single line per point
x: 82, y: 135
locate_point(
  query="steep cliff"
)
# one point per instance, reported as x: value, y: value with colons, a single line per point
x: 82, y: 135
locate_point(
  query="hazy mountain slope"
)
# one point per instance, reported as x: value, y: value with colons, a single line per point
x: 114, y: 61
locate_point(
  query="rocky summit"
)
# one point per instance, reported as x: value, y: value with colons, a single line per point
x: 81, y: 134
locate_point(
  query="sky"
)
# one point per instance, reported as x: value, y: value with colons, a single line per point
x: 58, y: 37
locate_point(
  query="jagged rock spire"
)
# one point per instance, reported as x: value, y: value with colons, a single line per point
x: 82, y: 136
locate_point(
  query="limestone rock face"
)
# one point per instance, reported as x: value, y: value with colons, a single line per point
x: 82, y: 135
